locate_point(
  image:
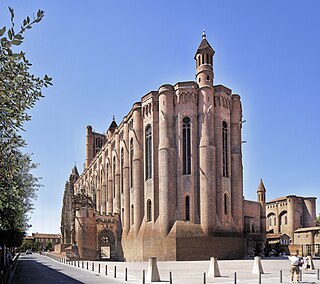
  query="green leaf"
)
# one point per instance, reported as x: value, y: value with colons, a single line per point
x: 16, y: 42
x: 10, y: 34
x: 2, y: 31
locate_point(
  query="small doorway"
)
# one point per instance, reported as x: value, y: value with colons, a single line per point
x: 107, y: 248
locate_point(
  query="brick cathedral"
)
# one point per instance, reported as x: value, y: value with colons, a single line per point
x: 167, y: 181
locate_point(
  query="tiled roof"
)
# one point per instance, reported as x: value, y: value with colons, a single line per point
x: 46, y: 236
x: 307, y: 229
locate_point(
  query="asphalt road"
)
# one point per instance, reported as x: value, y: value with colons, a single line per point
x: 37, y: 268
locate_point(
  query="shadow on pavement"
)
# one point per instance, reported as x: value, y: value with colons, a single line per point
x: 30, y: 271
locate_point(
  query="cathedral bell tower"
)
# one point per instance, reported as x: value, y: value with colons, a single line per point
x: 204, y: 63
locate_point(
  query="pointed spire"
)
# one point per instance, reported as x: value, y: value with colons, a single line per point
x: 113, y: 125
x: 204, y: 46
x: 261, y: 187
x: 75, y: 170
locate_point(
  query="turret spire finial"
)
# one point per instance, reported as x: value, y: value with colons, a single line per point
x: 203, y: 34
x: 113, y: 118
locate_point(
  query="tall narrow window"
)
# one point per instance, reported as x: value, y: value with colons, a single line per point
x: 186, y: 147
x: 187, y: 208
x: 107, y: 177
x: 122, y: 216
x: 225, y: 149
x: 131, y: 162
x: 225, y: 204
x: 114, y: 176
x: 149, y: 210
x: 132, y: 217
x: 148, y: 152
x: 121, y: 166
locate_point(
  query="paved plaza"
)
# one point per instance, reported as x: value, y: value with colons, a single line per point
x: 192, y: 272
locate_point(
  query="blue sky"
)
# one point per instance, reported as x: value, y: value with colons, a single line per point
x: 105, y: 55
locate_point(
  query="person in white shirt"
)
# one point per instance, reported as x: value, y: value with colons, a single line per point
x: 294, y: 269
x: 306, y: 264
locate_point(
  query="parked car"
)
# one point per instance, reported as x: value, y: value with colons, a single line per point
x: 28, y: 251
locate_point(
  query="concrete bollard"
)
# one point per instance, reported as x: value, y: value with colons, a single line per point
x: 214, y: 268
x: 257, y: 266
x: 153, y: 272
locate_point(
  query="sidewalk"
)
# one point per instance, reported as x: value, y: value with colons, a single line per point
x: 192, y: 272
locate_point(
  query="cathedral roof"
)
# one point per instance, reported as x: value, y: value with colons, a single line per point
x: 204, y: 45
x: 261, y: 187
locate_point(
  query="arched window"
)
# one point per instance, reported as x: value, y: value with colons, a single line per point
x: 114, y: 176
x: 187, y: 208
x: 225, y: 204
x: 107, y: 177
x: 131, y: 162
x: 148, y: 152
x: 225, y: 149
x: 132, y: 217
x: 149, y: 210
x: 121, y: 166
x: 186, y: 146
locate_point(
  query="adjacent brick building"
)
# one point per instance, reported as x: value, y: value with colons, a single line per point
x: 167, y: 181
x: 291, y: 212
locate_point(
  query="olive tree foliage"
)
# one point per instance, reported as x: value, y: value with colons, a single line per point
x: 317, y: 221
x: 19, y: 91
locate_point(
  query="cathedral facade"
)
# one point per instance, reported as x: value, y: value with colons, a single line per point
x: 167, y: 182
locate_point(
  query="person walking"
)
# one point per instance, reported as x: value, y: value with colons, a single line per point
x: 306, y: 263
x: 294, y: 266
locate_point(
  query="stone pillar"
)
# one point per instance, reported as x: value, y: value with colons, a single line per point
x: 137, y: 168
x: 207, y: 158
x: 126, y: 189
x: 236, y: 162
x: 309, y: 211
x: 167, y: 159
x: 110, y: 179
x: 98, y: 187
x: 291, y: 216
x: 116, y: 154
x: 89, y: 146
x: 104, y: 185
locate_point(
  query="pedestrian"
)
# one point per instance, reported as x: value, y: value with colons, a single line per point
x: 306, y: 263
x: 294, y: 268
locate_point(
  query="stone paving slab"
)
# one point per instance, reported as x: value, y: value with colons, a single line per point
x: 192, y: 272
